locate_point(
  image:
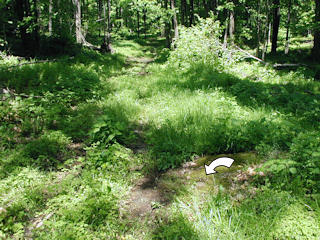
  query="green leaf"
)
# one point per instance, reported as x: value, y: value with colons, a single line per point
x: 95, y: 130
x: 316, y: 154
x: 293, y: 170
x: 315, y: 170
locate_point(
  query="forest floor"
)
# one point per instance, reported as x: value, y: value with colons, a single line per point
x: 113, y: 146
x: 154, y: 192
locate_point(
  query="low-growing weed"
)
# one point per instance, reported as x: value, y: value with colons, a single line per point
x: 48, y: 150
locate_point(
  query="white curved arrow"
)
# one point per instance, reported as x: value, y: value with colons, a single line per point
x: 224, y: 161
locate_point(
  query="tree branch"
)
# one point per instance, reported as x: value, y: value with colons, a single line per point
x: 40, y: 61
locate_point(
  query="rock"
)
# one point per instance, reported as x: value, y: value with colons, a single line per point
x: 200, y: 184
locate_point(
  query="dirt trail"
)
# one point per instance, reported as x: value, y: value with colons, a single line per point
x: 156, y: 191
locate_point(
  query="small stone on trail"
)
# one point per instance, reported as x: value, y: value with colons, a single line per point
x: 200, y: 184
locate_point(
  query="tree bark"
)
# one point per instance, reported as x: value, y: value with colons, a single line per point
x: 50, y: 18
x: 213, y: 5
x: 286, y: 51
x: 77, y: 15
x: 258, y: 31
x: 183, y: 12
x: 191, y: 12
x: 225, y: 38
x: 20, y: 10
x: 276, y: 23
x: 167, y: 27
x: 106, y: 45
x: 109, y: 21
x: 138, y: 23
x: 145, y: 22
x: 36, y: 31
x: 316, y: 40
x: 175, y: 22
x: 231, y: 26
x: 206, y: 11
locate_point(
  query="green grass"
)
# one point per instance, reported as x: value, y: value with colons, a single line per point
x: 66, y: 131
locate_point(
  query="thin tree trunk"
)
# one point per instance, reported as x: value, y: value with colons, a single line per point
x: 225, y: 38
x: 145, y: 23
x: 50, y: 18
x: 276, y: 23
x: 109, y: 21
x: 106, y: 45
x: 231, y: 26
x: 104, y: 20
x: 175, y: 22
x: 269, y: 35
x: 20, y: 10
x: 213, y: 5
x: 286, y: 51
x: 265, y: 36
x: 167, y: 27
x: 101, y: 22
x: 138, y: 23
x: 79, y: 37
x: 191, y: 12
x: 316, y: 40
x: 36, y: 33
x: 183, y: 12
x: 206, y: 11
x: 258, y: 31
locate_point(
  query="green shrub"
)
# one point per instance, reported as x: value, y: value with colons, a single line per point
x: 297, y: 222
x: 22, y: 194
x: 306, y: 152
x: 106, y: 130
x: 48, y: 150
x: 201, y: 44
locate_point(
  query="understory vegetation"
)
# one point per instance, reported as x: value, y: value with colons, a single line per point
x: 70, y: 131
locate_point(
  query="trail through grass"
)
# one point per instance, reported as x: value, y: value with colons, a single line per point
x: 115, y: 145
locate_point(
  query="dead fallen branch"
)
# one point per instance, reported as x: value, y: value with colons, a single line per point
x: 249, y: 55
x: 14, y: 95
x: 290, y: 65
x: 40, y: 61
x: 277, y: 65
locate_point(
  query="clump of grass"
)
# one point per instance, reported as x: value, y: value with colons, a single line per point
x: 48, y: 150
x: 266, y: 216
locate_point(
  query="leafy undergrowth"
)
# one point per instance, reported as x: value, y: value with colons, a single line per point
x: 62, y: 167
x: 66, y: 128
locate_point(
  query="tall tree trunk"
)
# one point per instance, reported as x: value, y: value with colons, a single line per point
x: 231, y: 26
x: 258, y: 30
x: 145, y: 22
x: 183, y: 12
x: 265, y: 34
x: 104, y: 20
x: 36, y: 32
x: 316, y: 40
x: 175, y: 22
x: 206, y: 11
x: 191, y: 12
x: 167, y: 27
x: 77, y: 15
x: 50, y: 18
x: 138, y: 23
x: 213, y: 5
x: 100, y: 11
x: 225, y: 38
x: 109, y: 21
x: 286, y: 51
x: 106, y: 45
x: 20, y: 10
x: 276, y: 23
